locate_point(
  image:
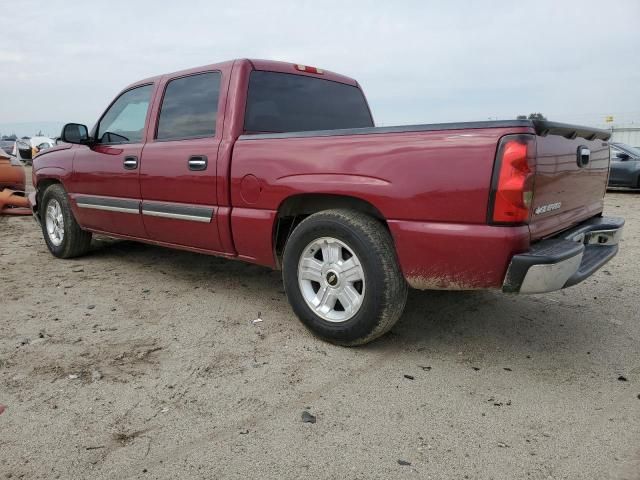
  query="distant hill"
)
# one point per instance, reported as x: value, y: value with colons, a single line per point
x: 21, y: 129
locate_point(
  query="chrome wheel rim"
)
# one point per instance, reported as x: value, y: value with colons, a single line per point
x: 331, y: 279
x: 55, y: 223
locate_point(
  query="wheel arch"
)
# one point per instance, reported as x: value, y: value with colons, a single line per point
x: 293, y: 209
x: 42, y: 185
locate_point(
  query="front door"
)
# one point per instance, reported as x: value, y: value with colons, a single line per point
x: 178, y: 169
x: 105, y: 185
x: 623, y: 169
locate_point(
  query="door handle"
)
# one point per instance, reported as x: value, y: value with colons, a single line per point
x: 130, y: 162
x: 198, y: 162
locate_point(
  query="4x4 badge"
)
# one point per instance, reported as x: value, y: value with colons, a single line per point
x: 547, y: 208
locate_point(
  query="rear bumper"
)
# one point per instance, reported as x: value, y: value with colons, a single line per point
x: 565, y: 260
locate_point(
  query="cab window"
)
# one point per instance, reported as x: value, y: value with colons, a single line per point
x: 189, y: 107
x: 283, y: 102
x: 124, y: 121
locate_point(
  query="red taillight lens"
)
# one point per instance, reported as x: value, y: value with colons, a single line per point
x: 512, y: 190
x: 308, y: 69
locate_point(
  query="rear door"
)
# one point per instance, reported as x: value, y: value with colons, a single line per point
x: 178, y: 171
x: 570, y: 182
x: 105, y: 185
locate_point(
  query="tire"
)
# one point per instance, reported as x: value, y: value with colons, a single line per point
x: 339, y: 235
x: 74, y: 241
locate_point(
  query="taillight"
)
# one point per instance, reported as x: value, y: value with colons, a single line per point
x: 512, y: 184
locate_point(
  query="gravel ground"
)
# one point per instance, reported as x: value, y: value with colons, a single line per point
x: 141, y: 362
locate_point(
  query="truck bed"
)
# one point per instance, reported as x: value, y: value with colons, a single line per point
x: 431, y: 183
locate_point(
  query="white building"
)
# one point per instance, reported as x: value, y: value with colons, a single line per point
x: 628, y: 135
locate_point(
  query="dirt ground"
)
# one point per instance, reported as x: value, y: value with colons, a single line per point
x: 141, y: 362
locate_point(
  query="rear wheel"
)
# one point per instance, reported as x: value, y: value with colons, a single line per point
x: 342, y: 277
x: 62, y: 234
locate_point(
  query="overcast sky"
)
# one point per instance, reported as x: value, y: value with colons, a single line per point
x: 419, y: 62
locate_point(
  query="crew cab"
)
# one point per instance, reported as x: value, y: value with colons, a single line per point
x: 281, y: 165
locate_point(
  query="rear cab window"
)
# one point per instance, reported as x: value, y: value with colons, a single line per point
x: 283, y: 102
x: 189, y: 107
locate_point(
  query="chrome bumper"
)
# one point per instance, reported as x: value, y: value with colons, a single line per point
x: 566, y: 260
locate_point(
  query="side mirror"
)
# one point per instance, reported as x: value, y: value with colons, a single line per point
x: 623, y: 156
x: 75, y: 133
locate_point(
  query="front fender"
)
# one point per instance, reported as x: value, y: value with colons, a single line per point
x: 42, y: 178
x: 48, y: 175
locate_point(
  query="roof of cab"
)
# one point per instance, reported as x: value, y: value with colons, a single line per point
x: 286, y: 67
x: 257, y: 64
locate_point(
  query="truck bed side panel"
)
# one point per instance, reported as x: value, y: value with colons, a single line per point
x: 453, y: 256
x: 428, y: 185
x: 439, y: 176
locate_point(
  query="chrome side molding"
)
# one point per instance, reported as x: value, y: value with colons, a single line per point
x: 121, y: 205
x: 178, y: 211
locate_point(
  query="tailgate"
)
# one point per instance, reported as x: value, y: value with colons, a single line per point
x: 572, y: 166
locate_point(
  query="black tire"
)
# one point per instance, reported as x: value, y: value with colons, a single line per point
x: 386, y: 292
x: 75, y: 241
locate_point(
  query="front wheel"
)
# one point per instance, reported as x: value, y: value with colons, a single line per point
x: 62, y: 234
x: 342, y: 277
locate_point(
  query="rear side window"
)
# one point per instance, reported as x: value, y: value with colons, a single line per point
x: 282, y: 102
x: 189, y: 107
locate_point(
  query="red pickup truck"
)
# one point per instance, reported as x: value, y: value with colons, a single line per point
x: 280, y: 165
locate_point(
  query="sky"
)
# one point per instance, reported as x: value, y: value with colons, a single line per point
x: 418, y: 61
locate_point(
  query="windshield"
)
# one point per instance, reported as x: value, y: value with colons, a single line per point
x: 630, y: 150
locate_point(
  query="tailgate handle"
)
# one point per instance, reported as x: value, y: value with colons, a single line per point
x: 584, y: 156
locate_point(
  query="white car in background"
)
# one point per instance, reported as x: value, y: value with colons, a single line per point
x: 25, y: 149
